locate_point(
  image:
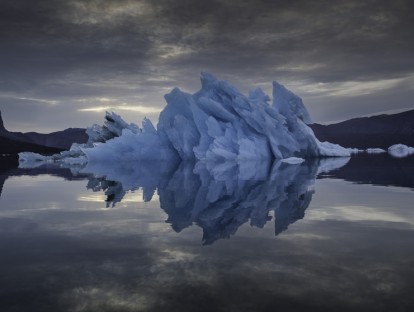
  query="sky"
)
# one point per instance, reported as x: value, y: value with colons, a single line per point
x: 64, y: 62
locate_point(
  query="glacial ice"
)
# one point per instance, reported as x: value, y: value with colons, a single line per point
x: 217, y: 123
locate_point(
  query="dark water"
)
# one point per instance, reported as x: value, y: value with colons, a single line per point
x: 267, y: 237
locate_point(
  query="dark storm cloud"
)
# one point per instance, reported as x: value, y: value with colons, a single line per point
x: 63, y: 50
x: 51, y: 38
x: 348, y: 39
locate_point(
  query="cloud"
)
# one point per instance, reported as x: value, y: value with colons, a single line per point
x: 139, y: 109
x: 55, y: 49
x: 352, y: 88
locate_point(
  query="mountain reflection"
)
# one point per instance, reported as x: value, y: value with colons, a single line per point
x: 380, y: 169
x: 218, y: 197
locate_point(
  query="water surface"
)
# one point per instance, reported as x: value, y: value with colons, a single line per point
x: 191, y: 238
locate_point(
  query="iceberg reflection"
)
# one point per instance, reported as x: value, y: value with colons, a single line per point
x: 218, y: 197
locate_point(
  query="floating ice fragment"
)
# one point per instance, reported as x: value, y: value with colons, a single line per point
x: 293, y: 160
x: 400, y: 150
x: 375, y: 150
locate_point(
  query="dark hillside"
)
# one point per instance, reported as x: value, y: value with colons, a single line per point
x: 377, y: 131
x: 8, y: 146
x: 59, y: 139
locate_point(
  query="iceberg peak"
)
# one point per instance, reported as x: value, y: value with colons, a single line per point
x: 289, y: 104
x: 207, y: 79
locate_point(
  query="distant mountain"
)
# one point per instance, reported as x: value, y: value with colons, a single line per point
x: 61, y: 139
x: 380, y: 131
x: 10, y: 146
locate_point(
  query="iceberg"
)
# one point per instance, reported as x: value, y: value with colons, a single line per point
x: 217, y: 123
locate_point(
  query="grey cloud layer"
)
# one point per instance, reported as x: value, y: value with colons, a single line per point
x: 77, y: 49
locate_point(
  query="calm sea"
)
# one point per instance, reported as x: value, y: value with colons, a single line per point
x: 318, y: 236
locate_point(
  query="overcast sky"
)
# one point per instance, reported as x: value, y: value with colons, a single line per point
x: 63, y: 63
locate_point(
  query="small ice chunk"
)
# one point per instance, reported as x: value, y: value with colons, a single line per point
x: 375, y: 150
x: 33, y: 160
x: 293, y: 160
x: 355, y: 150
x: 31, y: 157
x: 400, y: 150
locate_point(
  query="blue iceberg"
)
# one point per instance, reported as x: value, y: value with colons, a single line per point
x: 217, y: 123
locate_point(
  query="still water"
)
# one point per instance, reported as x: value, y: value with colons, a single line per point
x: 317, y: 236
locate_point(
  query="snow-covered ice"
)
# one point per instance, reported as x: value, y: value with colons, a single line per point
x: 217, y: 123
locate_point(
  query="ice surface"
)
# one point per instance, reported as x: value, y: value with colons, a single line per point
x: 217, y: 123
x: 400, y: 150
